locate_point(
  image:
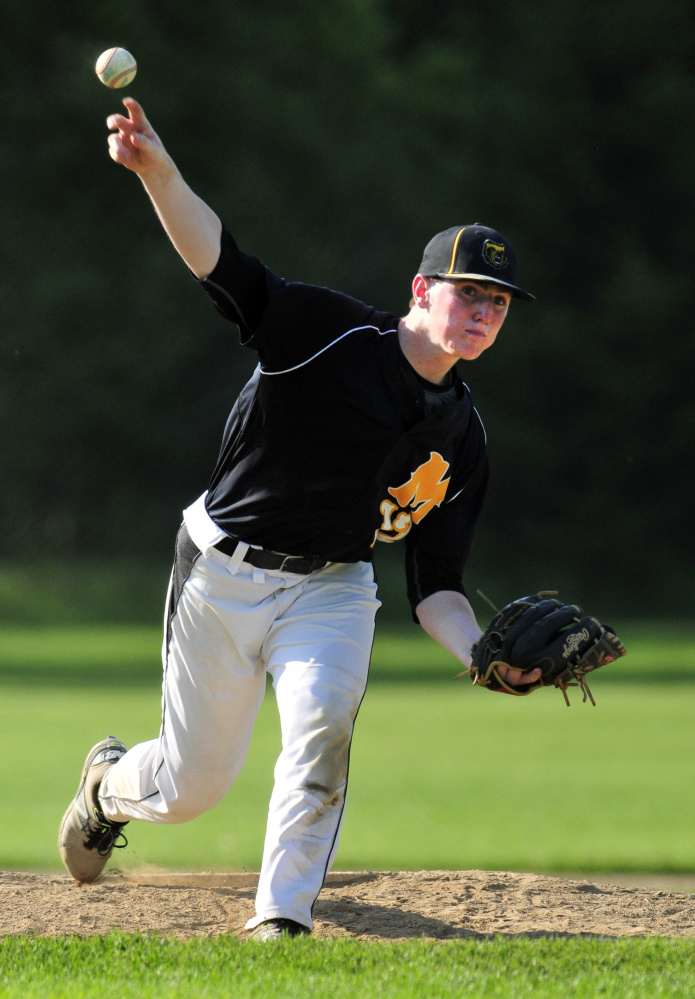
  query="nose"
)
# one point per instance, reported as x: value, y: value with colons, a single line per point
x: 483, y: 311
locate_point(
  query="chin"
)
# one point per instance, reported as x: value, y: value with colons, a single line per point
x: 469, y: 350
x: 469, y: 355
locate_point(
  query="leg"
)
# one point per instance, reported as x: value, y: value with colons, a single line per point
x: 318, y: 705
x: 213, y: 686
x: 318, y: 656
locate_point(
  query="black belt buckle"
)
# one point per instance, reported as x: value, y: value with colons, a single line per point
x: 285, y: 565
x: 262, y: 559
x: 302, y: 566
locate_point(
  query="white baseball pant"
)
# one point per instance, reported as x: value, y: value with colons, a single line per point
x: 227, y: 624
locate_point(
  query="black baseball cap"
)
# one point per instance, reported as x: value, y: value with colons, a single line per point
x: 475, y: 252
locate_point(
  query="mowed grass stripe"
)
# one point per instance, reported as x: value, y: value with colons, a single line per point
x: 119, y: 966
x: 127, y: 656
x: 443, y: 776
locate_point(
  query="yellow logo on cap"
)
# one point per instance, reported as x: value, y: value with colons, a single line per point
x: 495, y: 254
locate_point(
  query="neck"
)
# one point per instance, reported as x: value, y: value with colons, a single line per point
x: 430, y: 363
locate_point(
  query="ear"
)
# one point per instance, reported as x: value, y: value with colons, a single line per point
x: 421, y: 287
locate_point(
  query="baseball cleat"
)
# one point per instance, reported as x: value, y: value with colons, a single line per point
x: 274, y: 929
x: 86, y: 838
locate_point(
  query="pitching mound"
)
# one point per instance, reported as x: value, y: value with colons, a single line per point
x: 368, y: 905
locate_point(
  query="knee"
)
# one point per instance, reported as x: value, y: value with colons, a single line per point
x: 317, y: 711
x: 323, y: 796
x: 318, y: 763
x: 192, y: 793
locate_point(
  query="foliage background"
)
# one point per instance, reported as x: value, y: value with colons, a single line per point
x: 334, y: 140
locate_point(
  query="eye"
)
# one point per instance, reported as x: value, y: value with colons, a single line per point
x: 501, y: 301
x: 469, y: 290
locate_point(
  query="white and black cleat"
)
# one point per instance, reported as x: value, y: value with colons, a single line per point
x: 86, y: 838
x: 277, y: 928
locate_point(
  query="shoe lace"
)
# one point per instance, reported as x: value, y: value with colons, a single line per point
x: 106, y: 836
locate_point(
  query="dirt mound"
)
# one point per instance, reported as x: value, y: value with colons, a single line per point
x: 368, y: 905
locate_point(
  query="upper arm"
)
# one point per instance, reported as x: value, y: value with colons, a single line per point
x: 240, y: 286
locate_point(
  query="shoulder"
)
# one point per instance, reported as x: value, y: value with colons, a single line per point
x: 303, y: 319
x: 326, y: 305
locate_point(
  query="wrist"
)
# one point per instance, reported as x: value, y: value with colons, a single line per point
x: 161, y: 177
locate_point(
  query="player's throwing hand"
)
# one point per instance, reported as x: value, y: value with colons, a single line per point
x: 134, y: 143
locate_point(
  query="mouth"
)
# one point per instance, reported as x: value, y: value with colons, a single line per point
x: 468, y: 339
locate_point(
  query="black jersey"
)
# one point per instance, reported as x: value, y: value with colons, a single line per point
x: 332, y: 445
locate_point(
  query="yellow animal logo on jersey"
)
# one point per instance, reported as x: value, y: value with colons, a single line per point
x: 425, y: 489
x: 495, y: 254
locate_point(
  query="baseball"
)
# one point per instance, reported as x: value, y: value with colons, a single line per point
x: 116, y: 67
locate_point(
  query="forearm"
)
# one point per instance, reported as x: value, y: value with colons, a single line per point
x: 192, y: 226
x: 448, y: 618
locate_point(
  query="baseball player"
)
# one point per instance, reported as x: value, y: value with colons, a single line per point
x: 354, y: 429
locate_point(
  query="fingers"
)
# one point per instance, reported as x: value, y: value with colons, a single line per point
x: 121, y: 151
x: 514, y: 677
x: 136, y: 122
x: 135, y: 111
x: 132, y: 139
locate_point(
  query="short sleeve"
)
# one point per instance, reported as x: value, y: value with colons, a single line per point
x: 240, y: 286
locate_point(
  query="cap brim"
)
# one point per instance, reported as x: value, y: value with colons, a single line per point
x: 516, y: 291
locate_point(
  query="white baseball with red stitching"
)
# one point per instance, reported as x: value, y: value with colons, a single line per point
x: 116, y: 68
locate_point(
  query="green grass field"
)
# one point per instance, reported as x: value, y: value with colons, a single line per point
x: 465, y: 779
x: 443, y: 775
x: 135, y: 967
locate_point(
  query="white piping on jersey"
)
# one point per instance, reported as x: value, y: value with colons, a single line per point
x: 355, y: 329
x: 479, y: 418
x: 475, y: 410
x: 481, y: 424
x: 452, y: 498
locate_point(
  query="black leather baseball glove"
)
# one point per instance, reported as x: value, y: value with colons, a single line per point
x: 541, y: 631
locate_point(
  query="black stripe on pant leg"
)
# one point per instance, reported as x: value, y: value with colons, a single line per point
x: 187, y: 554
x: 342, y: 810
x: 347, y: 773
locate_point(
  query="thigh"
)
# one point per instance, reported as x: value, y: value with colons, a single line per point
x: 318, y: 655
x: 329, y: 620
x: 214, y: 674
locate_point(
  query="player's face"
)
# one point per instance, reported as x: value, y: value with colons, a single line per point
x: 464, y: 317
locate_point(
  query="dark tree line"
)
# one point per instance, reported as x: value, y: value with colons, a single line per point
x: 334, y: 140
